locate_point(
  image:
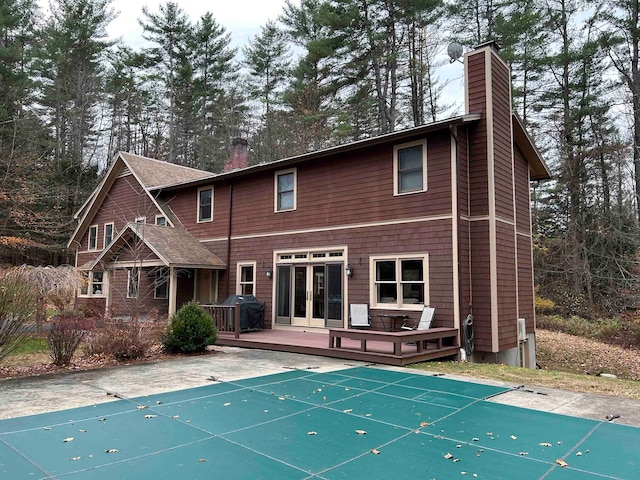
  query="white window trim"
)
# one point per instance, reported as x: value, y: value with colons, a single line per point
x: 161, y: 216
x: 239, y: 276
x: 140, y: 220
x: 396, y: 148
x: 89, y: 239
x: 104, y: 236
x: 198, y: 210
x: 373, y: 297
x: 89, y: 279
x: 295, y: 190
x: 155, y: 290
x: 129, y: 282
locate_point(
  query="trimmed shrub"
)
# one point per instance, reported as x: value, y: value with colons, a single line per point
x: 18, y: 304
x: 64, y: 337
x: 190, y: 330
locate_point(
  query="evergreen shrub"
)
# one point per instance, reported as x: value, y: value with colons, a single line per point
x: 190, y: 330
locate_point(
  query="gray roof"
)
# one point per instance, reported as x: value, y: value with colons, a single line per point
x: 156, y: 173
x: 175, y: 247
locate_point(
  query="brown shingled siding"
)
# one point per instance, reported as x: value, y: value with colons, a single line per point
x: 507, y: 286
x: 525, y: 282
x: 481, y: 284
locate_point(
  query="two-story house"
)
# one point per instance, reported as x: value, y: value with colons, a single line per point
x: 433, y: 215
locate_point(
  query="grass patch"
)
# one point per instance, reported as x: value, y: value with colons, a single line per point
x: 573, y: 382
x: 34, y: 351
x: 33, y: 345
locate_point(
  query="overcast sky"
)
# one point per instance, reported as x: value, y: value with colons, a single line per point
x: 241, y: 18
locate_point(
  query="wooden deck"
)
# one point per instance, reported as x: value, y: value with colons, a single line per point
x: 351, y: 349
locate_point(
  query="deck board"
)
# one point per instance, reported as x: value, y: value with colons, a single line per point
x: 316, y: 343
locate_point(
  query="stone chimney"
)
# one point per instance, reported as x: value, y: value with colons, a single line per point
x: 239, y: 155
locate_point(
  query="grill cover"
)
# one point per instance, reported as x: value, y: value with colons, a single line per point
x: 251, y: 311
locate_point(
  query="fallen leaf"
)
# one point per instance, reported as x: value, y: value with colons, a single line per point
x: 159, y: 402
x: 102, y: 420
x: 490, y: 433
x: 82, y: 431
x: 562, y: 463
x: 201, y: 460
x: 312, y: 433
x: 475, y: 439
x: 75, y: 458
x: 266, y: 411
x: 448, y: 456
x: 47, y: 428
x: 175, y: 417
x: 375, y: 451
x: 226, y: 404
x: 513, y: 437
x: 68, y: 439
x: 142, y: 407
x: 348, y: 410
x: 523, y: 453
x: 458, y: 446
x: 111, y: 450
x: 319, y: 390
x: 324, y: 398
x: 463, y: 473
x: 544, y: 444
x: 424, y: 424
x: 150, y: 416
x: 559, y: 442
x: 578, y: 454
x: 361, y: 432
x: 368, y: 414
x: 280, y: 398
x: 456, y: 460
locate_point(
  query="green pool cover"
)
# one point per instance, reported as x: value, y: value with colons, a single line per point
x: 354, y: 423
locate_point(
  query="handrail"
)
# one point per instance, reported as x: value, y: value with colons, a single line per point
x: 225, y: 317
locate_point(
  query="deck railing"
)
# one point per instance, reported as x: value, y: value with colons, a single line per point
x: 225, y: 317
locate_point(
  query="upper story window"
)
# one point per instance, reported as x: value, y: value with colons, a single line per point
x: 161, y: 220
x: 246, y: 279
x: 285, y: 190
x: 93, y: 237
x: 205, y: 204
x: 141, y: 220
x: 108, y: 234
x: 410, y: 167
x: 399, y: 282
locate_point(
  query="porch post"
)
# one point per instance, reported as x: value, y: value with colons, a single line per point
x: 106, y: 288
x: 173, y: 290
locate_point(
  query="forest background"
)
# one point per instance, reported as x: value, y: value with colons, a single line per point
x: 327, y: 72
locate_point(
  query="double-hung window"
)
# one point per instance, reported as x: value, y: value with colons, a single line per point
x: 246, y: 279
x: 161, y: 283
x: 205, y: 204
x: 410, y: 167
x: 161, y: 220
x: 93, y: 237
x: 285, y: 190
x: 108, y: 234
x: 399, y: 282
x: 133, y: 282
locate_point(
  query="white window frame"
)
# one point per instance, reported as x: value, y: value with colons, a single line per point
x: 95, y: 238
x: 396, y: 165
x: 165, y: 273
x: 158, y: 217
x: 88, y: 283
x: 276, y: 175
x: 240, y: 283
x: 210, y: 219
x: 140, y: 220
x: 137, y: 289
x: 104, y: 237
x: 399, y: 305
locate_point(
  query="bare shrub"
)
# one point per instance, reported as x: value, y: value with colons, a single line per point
x: 63, y: 339
x: 125, y: 339
x: 18, y: 303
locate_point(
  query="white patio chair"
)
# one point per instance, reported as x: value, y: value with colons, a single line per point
x: 425, y: 320
x: 359, y: 315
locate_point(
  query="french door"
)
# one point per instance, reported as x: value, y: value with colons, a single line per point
x: 309, y: 295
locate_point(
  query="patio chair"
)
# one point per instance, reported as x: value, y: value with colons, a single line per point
x: 359, y: 315
x: 425, y: 320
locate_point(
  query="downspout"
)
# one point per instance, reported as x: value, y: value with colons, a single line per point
x: 230, y: 217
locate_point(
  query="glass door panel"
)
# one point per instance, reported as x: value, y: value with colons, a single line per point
x: 300, y: 295
x: 318, y: 295
x: 283, y: 295
x: 334, y: 296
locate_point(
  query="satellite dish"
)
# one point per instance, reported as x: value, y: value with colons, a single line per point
x: 454, y: 50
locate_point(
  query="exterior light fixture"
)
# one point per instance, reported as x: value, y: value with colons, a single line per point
x: 269, y: 272
x: 348, y: 270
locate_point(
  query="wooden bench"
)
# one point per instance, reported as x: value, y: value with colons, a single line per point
x: 419, y: 337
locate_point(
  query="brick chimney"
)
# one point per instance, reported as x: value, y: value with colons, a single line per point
x: 239, y: 155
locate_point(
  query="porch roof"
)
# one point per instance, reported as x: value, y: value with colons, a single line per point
x: 174, y: 247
